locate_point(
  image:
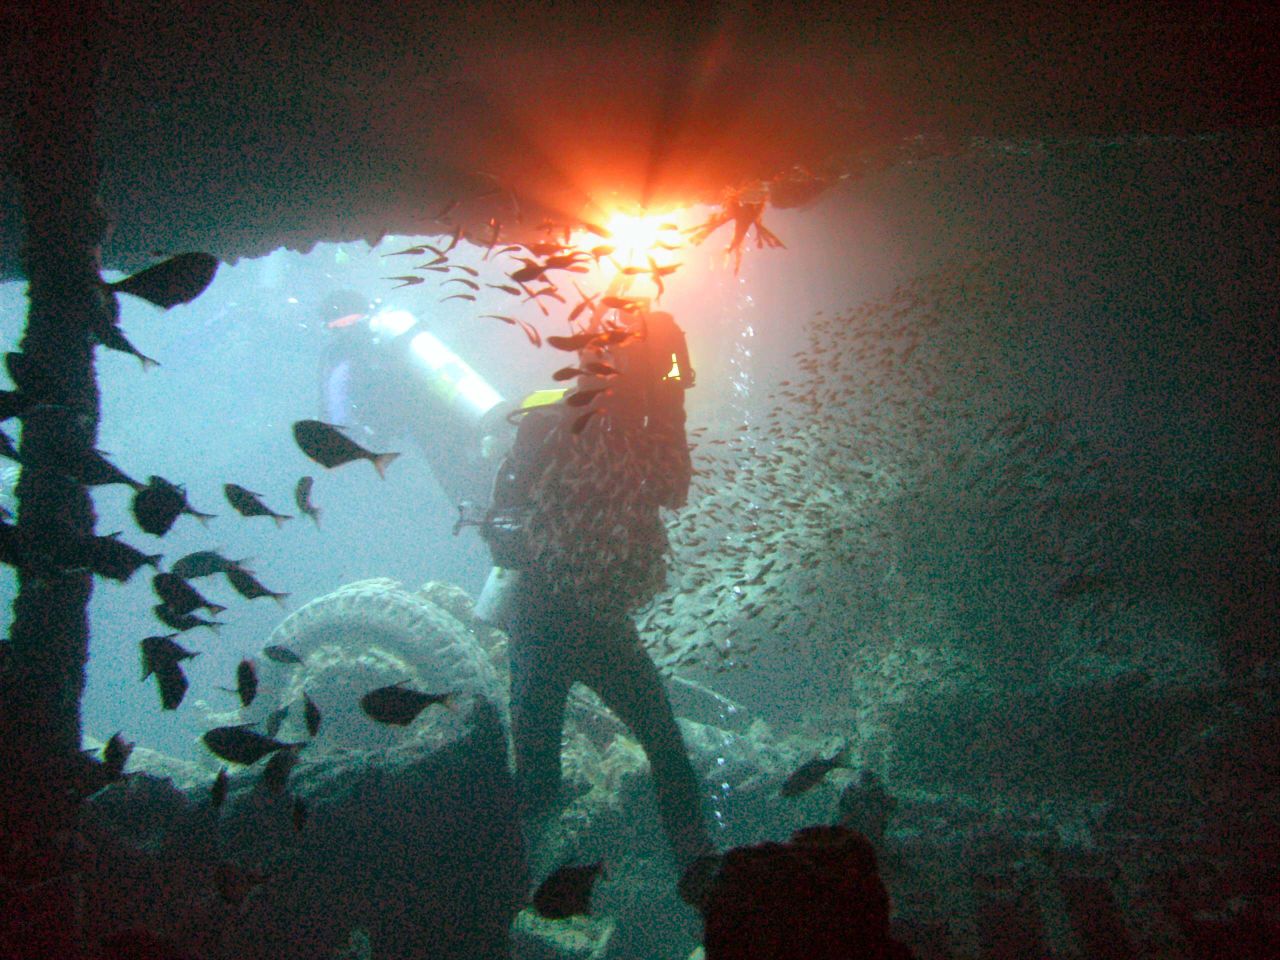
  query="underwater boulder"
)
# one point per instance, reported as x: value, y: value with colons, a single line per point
x: 413, y: 850
x: 418, y: 845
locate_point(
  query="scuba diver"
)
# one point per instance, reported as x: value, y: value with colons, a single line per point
x: 578, y: 543
x: 384, y: 376
x: 574, y: 527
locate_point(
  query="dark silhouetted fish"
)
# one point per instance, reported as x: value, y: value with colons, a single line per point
x: 248, y: 504
x: 275, y: 719
x: 531, y: 332
x: 573, y: 343
x: 246, y: 682
x: 811, y: 773
x: 328, y: 446
x: 32, y: 379
x: 13, y: 403
x: 302, y: 497
x: 239, y: 744
x: 280, y: 654
x: 115, y: 755
x: 567, y: 891
x: 398, y: 706
x: 247, y: 585
x: 179, y: 596
x: 311, y: 713
x: 157, y: 505
x: 218, y: 792
x: 625, y: 304
x: 13, y: 550
x: 299, y: 814
x: 531, y: 270
x: 162, y: 656
x: 407, y: 281
x: 112, y: 558
x: 276, y: 772
x: 7, y: 449
x: 180, y: 279
x: 182, y: 621
x: 109, y: 335
x: 202, y: 563
x: 95, y: 470
x: 160, y: 651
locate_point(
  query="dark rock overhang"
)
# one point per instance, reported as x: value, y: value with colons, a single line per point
x: 243, y: 126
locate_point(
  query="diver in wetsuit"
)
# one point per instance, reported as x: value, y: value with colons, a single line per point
x: 576, y: 512
x: 384, y: 376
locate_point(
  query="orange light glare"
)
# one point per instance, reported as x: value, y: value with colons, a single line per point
x: 632, y: 234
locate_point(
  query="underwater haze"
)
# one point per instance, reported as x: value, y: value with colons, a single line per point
x: 988, y: 490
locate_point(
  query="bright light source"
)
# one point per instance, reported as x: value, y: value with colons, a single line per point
x: 634, y: 234
x: 636, y: 238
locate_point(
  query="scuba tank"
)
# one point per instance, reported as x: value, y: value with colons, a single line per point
x: 391, y: 377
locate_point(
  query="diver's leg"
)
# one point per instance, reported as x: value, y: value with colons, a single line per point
x: 629, y: 684
x: 539, y: 685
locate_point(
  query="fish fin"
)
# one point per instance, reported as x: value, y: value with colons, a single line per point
x: 280, y: 518
x: 315, y: 516
x: 381, y: 461
x: 279, y: 598
x: 147, y: 364
x: 174, y: 281
x: 214, y: 608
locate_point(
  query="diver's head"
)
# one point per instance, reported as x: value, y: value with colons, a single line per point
x: 654, y: 354
x: 341, y: 309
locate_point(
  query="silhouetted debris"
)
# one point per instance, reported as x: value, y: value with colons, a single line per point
x: 567, y: 891
x: 818, y: 896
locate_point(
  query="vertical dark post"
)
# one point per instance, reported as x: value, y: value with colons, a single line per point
x: 43, y: 663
